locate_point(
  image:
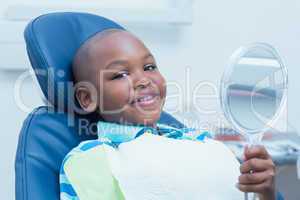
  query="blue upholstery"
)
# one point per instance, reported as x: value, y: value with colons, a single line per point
x: 48, y: 133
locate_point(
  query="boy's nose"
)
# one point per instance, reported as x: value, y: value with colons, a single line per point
x: 142, y: 83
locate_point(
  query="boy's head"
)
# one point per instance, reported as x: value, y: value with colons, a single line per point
x: 117, y: 76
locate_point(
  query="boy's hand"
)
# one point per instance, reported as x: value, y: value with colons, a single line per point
x: 258, y: 173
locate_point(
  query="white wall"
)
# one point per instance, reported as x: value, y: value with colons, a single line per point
x: 219, y: 28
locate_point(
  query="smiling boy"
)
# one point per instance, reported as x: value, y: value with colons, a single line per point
x: 135, y: 157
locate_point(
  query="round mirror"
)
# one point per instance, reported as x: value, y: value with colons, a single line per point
x: 254, y: 89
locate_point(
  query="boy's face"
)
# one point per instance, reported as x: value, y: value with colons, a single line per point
x: 130, y: 88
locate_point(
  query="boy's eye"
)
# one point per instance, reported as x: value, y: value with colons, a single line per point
x: 120, y: 75
x: 150, y: 67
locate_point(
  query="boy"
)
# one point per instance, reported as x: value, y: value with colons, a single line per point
x: 136, y: 158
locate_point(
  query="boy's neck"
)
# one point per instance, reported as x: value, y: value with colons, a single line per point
x: 152, y: 125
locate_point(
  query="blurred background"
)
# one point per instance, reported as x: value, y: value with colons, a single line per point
x: 192, y: 42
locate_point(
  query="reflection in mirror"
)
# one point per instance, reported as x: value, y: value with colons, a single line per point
x: 253, y: 88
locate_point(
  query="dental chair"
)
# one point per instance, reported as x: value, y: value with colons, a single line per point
x: 51, y: 131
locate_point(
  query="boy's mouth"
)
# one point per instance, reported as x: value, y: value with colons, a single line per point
x: 146, y: 99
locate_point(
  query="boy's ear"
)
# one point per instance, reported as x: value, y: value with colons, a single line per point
x: 86, y: 98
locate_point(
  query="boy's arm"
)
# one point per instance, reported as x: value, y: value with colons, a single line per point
x: 67, y: 192
x: 87, y: 176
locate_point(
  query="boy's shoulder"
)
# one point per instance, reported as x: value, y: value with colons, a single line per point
x: 82, y: 169
x: 81, y: 149
x: 87, y: 145
x: 80, y: 159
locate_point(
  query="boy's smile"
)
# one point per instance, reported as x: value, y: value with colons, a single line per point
x: 146, y: 99
x: 129, y: 87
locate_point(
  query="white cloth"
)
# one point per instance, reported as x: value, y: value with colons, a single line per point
x: 152, y: 167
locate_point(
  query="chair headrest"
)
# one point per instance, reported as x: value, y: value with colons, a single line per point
x: 52, y: 41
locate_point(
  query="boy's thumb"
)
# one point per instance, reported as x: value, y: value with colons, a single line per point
x: 246, y: 151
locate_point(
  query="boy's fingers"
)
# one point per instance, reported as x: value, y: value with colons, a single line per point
x: 257, y: 165
x: 257, y: 188
x: 256, y: 152
x: 256, y: 178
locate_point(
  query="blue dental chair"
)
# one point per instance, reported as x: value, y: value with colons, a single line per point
x: 51, y: 131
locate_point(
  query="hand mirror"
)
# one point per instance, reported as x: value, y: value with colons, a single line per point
x: 254, y: 90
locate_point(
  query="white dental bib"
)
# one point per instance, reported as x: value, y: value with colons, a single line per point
x: 153, y: 167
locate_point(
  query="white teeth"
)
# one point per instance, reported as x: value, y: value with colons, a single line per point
x: 146, y: 98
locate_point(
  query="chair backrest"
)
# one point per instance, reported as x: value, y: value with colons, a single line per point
x: 49, y: 133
